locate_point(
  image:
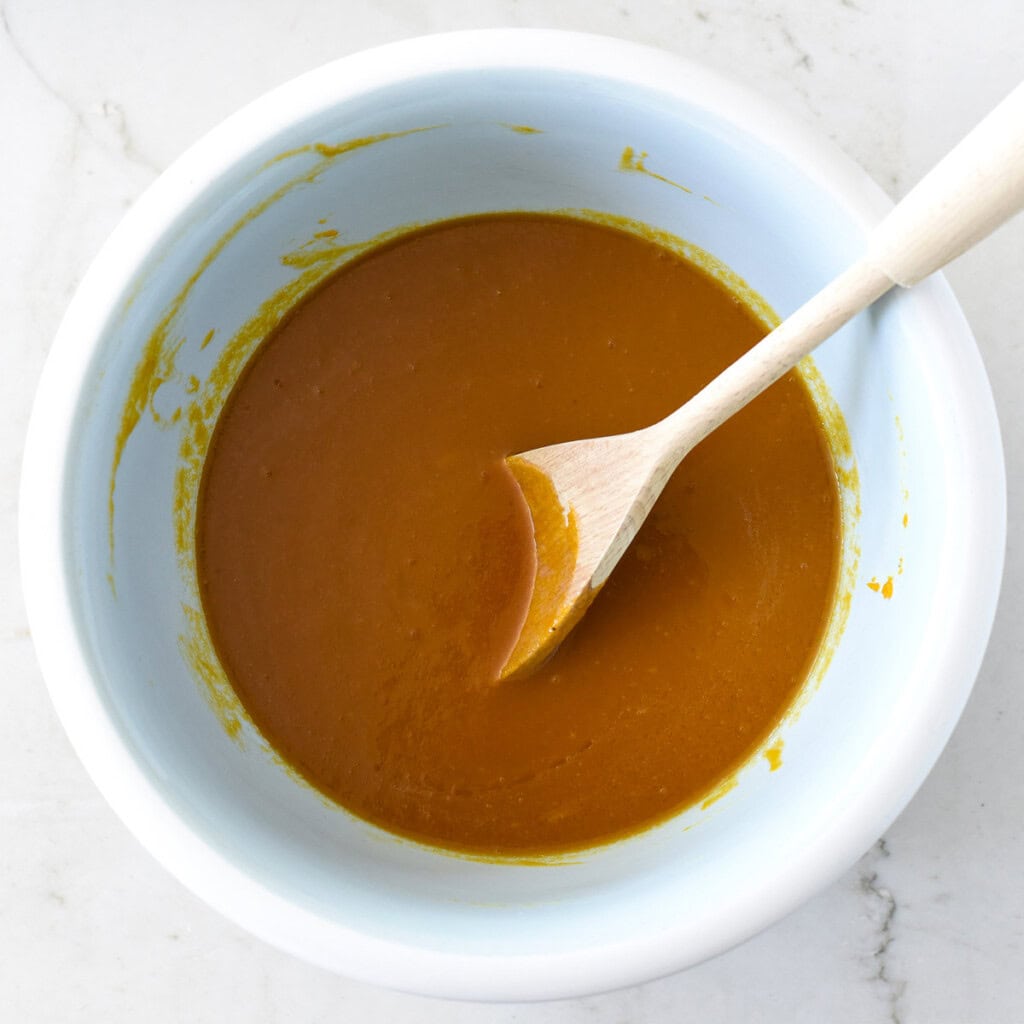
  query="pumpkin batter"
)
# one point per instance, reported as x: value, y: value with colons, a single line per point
x: 365, y: 559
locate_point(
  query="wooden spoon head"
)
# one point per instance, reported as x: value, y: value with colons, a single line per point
x: 587, y: 499
x: 554, y: 606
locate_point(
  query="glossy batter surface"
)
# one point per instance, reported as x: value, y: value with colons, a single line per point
x: 365, y: 559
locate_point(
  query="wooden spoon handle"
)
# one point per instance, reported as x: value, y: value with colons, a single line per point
x: 960, y: 201
x: 965, y: 197
x: 771, y: 358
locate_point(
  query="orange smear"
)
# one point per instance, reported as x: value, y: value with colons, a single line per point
x: 631, y: 162
x: 724, y: 787
x: 557, y: 544
x: 773, y: 755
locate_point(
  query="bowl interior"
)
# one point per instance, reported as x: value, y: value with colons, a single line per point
x: 267, y: 849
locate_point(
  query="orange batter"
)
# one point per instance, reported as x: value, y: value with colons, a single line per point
x: 365, y: 559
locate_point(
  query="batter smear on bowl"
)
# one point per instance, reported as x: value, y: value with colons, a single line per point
x: 365, y: 558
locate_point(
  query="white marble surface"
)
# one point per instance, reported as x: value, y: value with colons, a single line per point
x: 96, y: 97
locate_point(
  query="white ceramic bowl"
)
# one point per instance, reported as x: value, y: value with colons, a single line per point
x: 786, y: 212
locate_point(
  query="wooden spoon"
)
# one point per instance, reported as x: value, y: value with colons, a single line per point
x: 588, y: 498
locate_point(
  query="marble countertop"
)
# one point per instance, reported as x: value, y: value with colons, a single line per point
x: 96, y: 98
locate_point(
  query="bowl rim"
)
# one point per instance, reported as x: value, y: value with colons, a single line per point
x: 63, y: 654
